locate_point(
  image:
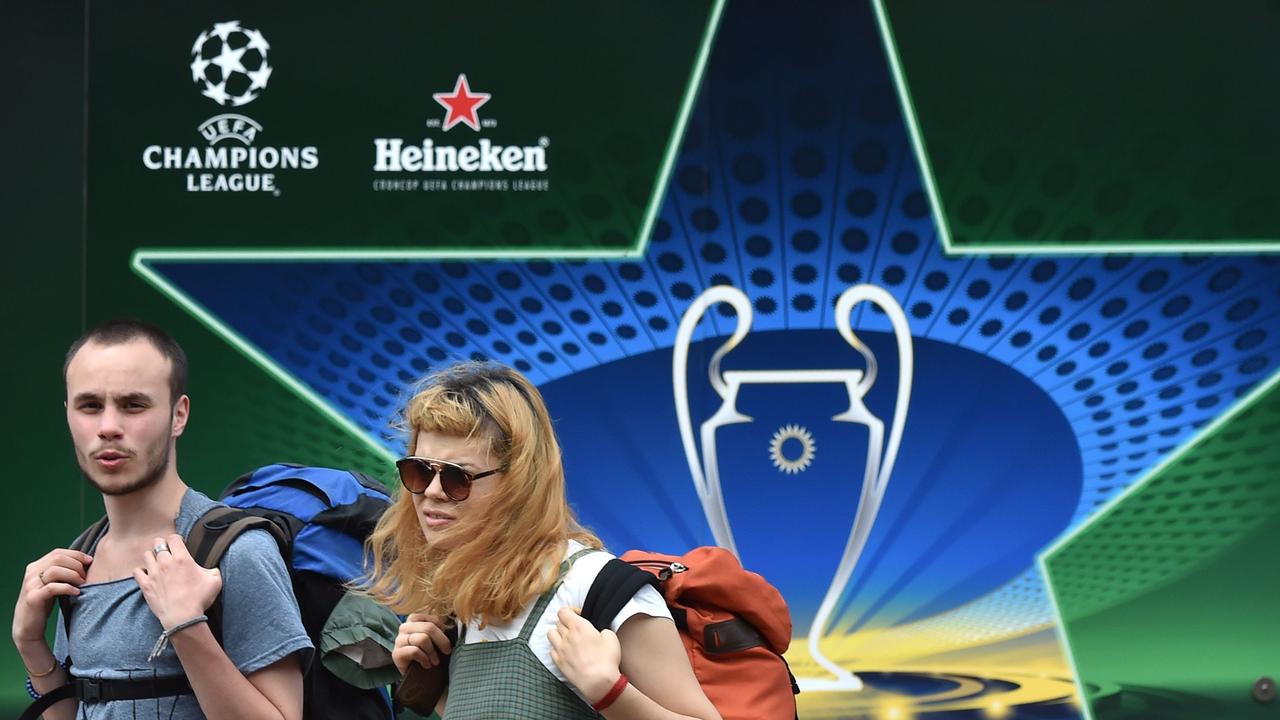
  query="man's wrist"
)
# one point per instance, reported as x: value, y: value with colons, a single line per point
x: 37, y: 659
x: 173, y: 618
x: 33, y: 649
x: 172, y: 631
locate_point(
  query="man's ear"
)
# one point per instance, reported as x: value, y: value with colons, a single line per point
x: 181, y: 413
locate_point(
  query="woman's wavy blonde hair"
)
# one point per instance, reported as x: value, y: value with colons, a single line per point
x: 514, y: 555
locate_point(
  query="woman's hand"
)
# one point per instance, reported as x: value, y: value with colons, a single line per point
x: 421, y: 640
x: 587, y: 657
x: 174, y: 585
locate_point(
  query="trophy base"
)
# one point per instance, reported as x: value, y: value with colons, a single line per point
x: 844, y: 683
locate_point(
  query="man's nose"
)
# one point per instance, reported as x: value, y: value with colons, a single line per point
x: 109, y: 425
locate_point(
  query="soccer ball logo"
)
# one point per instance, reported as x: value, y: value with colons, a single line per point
x: 229, y: 63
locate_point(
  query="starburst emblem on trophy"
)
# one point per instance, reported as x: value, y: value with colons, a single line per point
x: 782, y: 459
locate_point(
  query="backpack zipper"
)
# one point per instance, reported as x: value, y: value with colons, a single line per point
x: 668, y: 569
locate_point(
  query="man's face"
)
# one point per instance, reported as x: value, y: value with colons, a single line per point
x: 122, y: 420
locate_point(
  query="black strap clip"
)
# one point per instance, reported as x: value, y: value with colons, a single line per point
x: 89, y: 690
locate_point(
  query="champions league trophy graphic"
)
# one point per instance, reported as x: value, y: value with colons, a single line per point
x: 705, y: 470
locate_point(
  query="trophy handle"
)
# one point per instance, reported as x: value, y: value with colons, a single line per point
x: 879, y: 465
x: 712, y: 504
x: 906, y: 361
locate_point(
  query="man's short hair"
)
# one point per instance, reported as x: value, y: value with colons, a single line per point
x: 118, y: 331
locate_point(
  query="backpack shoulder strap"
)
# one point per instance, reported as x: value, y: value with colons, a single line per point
x: 90, y: 536
x: 210, y: 538
x: 612, y: 589
x: 83, y: 543
x: 213, y: 533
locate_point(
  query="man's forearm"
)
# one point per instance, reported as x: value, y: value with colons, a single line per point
x: 222, y: 691
x: 37, y: 657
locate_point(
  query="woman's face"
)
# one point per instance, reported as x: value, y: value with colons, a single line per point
x: 436, y: 512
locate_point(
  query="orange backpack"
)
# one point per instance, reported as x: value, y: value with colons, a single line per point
x: 734, y: 624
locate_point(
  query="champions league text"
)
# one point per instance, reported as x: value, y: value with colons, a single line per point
x: 156, y: 157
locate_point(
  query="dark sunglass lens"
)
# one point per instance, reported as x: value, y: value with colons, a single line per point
x: 415, y: 475
x: 455, y: 482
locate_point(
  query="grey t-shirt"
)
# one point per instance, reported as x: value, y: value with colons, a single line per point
x: 113, y: 629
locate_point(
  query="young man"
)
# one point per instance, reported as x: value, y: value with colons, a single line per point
x: 126, y: 407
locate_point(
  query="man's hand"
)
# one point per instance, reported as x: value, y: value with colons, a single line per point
x: 60, y: 572
x: 421, y: 640
x: 174, y: 585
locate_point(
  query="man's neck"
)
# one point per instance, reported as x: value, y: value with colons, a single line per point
x: 149, y: 512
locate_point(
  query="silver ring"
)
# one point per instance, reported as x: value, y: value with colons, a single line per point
x: 159, y: 548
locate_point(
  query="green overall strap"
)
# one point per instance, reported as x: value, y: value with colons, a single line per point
x: 536, y: 613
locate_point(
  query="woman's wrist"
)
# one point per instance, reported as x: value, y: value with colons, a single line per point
x: 612, y: 694
x: 598, y: 684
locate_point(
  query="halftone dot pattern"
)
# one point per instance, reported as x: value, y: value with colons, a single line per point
x: 793, y: 192
x: 282, y: 422
x: 1015, y: 608
x: 1194, y: 509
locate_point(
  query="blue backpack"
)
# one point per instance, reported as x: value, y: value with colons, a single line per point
x: 320, y: 517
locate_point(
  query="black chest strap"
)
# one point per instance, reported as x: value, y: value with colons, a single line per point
x: 88, y: 690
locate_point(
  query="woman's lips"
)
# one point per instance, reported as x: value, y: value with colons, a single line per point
x: 437, y: 519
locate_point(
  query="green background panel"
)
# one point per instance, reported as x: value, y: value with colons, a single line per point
x: 1095, y: 125
x: 1170, y: 593
x: 42, y: 298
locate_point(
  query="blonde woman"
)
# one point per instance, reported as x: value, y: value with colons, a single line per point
x: 480, y: 537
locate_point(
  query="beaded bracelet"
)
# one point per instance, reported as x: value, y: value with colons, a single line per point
x: 613, y: 694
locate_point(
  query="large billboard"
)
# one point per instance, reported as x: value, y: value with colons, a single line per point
x: 713, y: 236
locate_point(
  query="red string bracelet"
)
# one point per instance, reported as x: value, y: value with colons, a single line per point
x: 612, y: 695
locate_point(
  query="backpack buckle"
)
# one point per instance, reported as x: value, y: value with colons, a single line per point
x: 89, y: 690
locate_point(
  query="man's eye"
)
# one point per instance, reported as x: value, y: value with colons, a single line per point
x: 90, y: 407
x: 135, y: 407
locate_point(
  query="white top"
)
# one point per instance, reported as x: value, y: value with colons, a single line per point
x: 572, y: 592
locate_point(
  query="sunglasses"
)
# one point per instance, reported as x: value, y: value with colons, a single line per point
x: 416, y: 474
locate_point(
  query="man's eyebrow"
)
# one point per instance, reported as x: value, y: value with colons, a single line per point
x: 85, y: 396
x: 133, y: 397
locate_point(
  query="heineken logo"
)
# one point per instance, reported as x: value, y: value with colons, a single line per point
x: 394, y: 155
x: 461, y: 105
x: 493, y: 158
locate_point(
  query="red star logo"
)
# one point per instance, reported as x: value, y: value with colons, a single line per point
x: 461, y: 104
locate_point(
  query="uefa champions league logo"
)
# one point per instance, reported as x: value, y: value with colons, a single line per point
x: 229, y: 63
x: 706, y: 445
